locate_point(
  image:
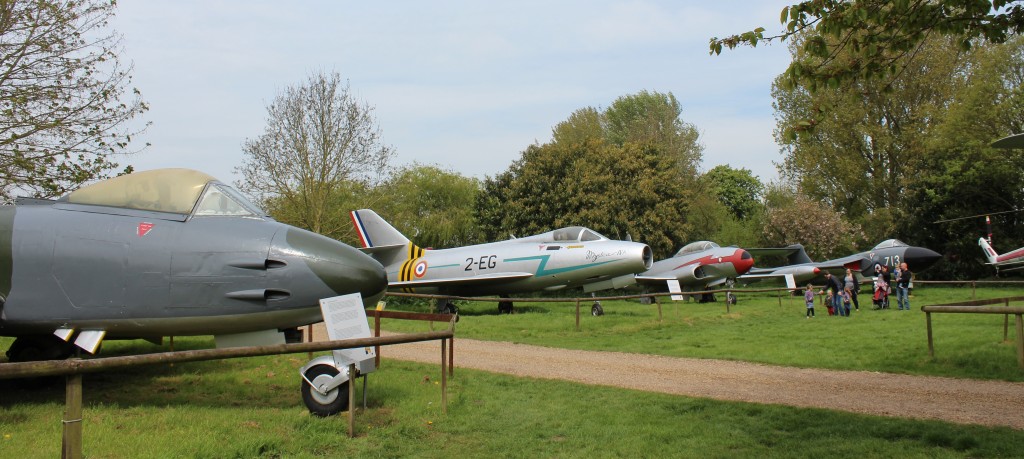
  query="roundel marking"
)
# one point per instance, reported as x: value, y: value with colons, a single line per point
x: 420, y: 269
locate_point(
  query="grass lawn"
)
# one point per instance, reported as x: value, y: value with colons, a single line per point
x: 764, y: 328
x: 251, y: 407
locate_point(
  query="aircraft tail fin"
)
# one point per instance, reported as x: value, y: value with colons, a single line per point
x: 798, y: 256
x: 990, y: 253
x: 381, y: 240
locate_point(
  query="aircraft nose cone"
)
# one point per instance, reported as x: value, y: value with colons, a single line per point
x: 743, y: 262
x: 918, y: 258
x: 342, y: 268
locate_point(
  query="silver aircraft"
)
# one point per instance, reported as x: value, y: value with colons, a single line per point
x: 564, y: 258
x: 698, y: 265
x: 162, y: 253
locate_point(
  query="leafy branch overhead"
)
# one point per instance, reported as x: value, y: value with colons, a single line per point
x: 65, y: 97
x: 866, y: 39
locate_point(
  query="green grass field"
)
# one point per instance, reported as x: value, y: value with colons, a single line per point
x: 251, y: 407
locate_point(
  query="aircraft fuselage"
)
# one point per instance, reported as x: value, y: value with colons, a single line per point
x: 136, y: 273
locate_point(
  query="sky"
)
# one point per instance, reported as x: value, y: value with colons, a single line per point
x: 464, y: 85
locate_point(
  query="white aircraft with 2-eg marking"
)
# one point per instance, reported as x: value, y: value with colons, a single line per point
x: 564, y: 258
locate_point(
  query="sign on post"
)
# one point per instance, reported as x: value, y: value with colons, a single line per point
x: 673, y: 287
x: 345, y: 319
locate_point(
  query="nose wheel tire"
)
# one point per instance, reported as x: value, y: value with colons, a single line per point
x: 596, y: 309
x: 333, y: 402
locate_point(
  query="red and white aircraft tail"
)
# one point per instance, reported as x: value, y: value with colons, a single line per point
x: 1012, y: 259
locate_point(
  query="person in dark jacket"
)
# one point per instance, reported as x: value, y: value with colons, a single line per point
x: 832, y: 283
x: 903, y: 287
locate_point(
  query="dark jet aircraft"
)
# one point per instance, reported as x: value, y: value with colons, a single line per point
x: 163, y: 253
x: 801, y: 270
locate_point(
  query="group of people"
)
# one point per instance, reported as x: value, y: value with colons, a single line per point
x: 841, y: 294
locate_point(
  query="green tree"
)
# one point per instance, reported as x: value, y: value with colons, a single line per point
x: 347, y: 196
x: 738, y: 189
x: 868, y: 39
x: 64, y: 96
x: 618, y: 191
x: 869, y: 141
x: 792, y: 217
x: 583, y: 125
x: 964, y: 176
x: 654, y: 118
x: 432, y: 206
x: 627, y: 170
x: 318, y: 140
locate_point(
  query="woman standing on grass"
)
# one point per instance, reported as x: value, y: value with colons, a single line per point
x: 852, y: 285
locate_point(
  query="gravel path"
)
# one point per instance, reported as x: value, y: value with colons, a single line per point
x: 995, y: 403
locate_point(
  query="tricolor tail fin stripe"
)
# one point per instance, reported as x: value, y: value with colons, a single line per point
x: 360, y: 229
x: 391, y: 248
x: 374, y: 231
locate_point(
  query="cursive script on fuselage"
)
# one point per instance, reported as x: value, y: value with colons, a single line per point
x: 593, y: 256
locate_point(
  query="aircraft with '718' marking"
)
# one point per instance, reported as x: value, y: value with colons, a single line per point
x: 564, y: 258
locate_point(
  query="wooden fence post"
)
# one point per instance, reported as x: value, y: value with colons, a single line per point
x: 1006, y: 323
x: 451, y: 357
x: 577, y: 314
x: 309, y: 333
x: 1020, y: 340
x: 931, y: 348
x: 71, y: 446
x: 352, y: 400
x: 444, y: 378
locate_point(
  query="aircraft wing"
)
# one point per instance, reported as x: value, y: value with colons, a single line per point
x: 1007, y: 265
x: 751, y: 278
x: 795, y: 253
x: 853, y: 262
x: 772, y: 251
x: 381, y: 248
x: 655, y: 279
x: 496, y: 278
x: 686, y: 274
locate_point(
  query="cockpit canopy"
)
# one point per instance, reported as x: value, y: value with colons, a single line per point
x: 698, y: 246
x: 576, y: 234
x: 177, y: 191
x: 889, y: 243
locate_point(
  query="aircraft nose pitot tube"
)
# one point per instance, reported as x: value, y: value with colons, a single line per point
x: 342, y: 268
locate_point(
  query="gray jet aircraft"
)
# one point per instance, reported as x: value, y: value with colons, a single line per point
x: 698, y: 265
x: 162, y: 253
x: 563, y: 258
